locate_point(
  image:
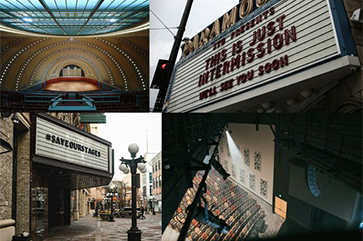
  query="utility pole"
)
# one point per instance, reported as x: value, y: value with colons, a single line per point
x: 147, y: 143
x: 172, y: 58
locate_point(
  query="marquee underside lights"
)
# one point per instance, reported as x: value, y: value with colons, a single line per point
x: 257, y: 43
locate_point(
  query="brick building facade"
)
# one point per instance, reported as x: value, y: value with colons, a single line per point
x: 15, y: 173
x: 156, y: 164
x: 38, y: 195
x: 23, y: 182
x: 6, y: 170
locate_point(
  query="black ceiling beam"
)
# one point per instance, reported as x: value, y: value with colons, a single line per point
x: 52, y: 15
x: 341, y: 174
x: 90, y: 16
x: 15, y: 17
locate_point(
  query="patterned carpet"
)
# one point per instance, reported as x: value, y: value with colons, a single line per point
x: 227, y: 201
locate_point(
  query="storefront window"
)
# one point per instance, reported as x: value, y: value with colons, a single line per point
x: 40, y: 198
x: 72, y: 203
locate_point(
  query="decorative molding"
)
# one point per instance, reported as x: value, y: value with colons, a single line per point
x: 246, y: 156
x: 252, y: 184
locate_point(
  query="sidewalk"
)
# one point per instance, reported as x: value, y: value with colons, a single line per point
x: 93, y: 229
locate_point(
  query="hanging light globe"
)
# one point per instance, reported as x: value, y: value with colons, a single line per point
x: 133, y: 149
x: 141, y: 165
x: 123, y: 167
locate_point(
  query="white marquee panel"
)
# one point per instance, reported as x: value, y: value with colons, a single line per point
x: 47, y: 148
x: 315, y: 43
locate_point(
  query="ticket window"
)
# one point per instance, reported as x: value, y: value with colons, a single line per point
x: 280, y: 207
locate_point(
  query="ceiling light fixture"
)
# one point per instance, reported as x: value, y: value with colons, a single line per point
x: 142, y: 27
x: 29, y: 20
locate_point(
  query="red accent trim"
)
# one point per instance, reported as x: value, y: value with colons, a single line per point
x: 60, y: 79
x: 65, y: 83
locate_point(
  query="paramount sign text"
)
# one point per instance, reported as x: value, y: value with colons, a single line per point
x: 269, y: 37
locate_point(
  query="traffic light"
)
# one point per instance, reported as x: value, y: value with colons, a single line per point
x: 160, y: 74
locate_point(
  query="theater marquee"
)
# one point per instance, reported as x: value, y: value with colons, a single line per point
x: 70, y: 145
x: 246, y: 49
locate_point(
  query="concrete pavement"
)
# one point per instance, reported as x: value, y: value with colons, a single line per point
x: 93, y: 229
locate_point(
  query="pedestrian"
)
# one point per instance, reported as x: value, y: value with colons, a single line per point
x: 153, y: 211
x: 96, y: 211
x: 142, y: 212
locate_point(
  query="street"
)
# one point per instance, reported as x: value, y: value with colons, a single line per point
x: 92, y: 228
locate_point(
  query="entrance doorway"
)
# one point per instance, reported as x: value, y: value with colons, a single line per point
x: 59, y: 207
x: 280, y: 207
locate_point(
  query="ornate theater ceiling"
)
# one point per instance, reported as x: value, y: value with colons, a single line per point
x: 73, y: 17
x: 106, y: 45
x: 119, y: 62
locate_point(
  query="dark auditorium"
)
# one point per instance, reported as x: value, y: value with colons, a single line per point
x: 262, y: 177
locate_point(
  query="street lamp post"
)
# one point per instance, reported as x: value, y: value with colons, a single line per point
x: 104, y: 203
x: 111, y: 193
x: 134, y: 234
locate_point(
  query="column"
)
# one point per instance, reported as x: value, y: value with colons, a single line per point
x: 76, y: 205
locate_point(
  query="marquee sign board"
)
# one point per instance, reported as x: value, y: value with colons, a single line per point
x: 277, y: 39
x: 63, y: 144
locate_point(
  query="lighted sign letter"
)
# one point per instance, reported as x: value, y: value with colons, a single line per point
x: 260, y: 3
x: 204, y: 37
x: 187, y: 48
x: 229, y: 20
x: 215, y: 30
x: 196, y: 42
x: 191, y: 46
x: 246, y: 8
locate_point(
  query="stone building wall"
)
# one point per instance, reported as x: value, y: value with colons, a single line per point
x: 347, y: 96
x: 6, y: 169
x: 70, y: 118
x: 23, y: 183
x: 24, y: 170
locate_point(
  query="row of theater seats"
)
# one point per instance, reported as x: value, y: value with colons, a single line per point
x: 228, y: 201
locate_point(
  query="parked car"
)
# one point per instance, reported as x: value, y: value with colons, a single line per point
x: 126, y: 212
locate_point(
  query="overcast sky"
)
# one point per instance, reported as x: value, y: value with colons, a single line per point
x: 203, y: 13
x: 122, y: 129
